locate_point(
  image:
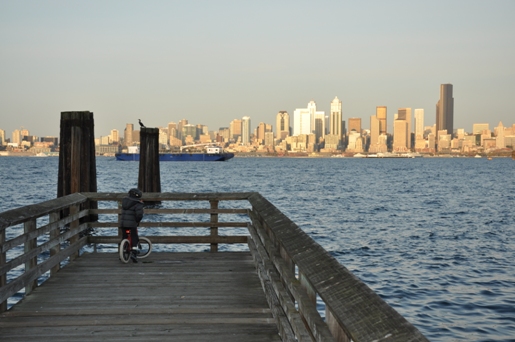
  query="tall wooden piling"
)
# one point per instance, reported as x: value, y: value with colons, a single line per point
x: 77, y: 164
x: 149, y: 177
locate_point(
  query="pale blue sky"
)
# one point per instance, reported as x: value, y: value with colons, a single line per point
x: 213, y: 61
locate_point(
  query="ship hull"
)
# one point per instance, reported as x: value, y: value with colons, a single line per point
x: 179, y: 156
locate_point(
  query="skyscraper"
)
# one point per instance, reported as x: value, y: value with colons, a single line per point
x: 445, y: 110
x: 336, y: 118
x: 128, y: 134
x: 381, y: 116
x: 235, y: 129
x: 405, y: 114
x: 355, y: 124
x: 245, y: 130
x: 282, y: 125
x: 419, y: 124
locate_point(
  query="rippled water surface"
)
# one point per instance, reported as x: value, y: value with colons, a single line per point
x: 434, y: 237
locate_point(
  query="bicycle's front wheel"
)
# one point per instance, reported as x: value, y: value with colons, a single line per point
x: 145, y: 247
x: 125, y: 250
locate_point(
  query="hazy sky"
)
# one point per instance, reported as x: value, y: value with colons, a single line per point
x: 213, y: 61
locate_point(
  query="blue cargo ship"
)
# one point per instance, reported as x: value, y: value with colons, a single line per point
x: 213, y: 153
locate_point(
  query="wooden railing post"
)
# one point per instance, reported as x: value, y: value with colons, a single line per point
x: 3, y: 277
x: 54, y: 234
x: 29, y: 227
x: 74, y: 224
x: 335, y: 328
x: 214, y: 219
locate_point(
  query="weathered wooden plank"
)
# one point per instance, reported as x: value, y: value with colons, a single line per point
x: 175, y: 239
x: 41, y: 248
x: 176, y: 211
x: 173, y: 196
x: 307, y: 308
x: 20, y: 215
x: 171, y: 297
x: 29, y: 276
x: 42, y: 230
x: 144, y: 224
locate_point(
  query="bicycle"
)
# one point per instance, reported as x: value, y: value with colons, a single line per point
x: 125, y: 247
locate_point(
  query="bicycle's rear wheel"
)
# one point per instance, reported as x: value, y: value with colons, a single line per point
x: 145, y: 247
x: 125, y: 250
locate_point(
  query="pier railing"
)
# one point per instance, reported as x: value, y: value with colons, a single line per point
x: 296, y: 272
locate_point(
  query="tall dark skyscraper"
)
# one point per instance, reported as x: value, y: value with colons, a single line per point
x: 445, y: 110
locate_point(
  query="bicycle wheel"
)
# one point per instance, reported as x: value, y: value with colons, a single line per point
x: 145, y: 247
x: 125, y: 250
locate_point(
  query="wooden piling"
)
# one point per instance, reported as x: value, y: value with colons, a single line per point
x: 77, y: 163
x: 149, y: 178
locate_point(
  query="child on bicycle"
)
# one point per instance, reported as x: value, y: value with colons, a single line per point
x: 132, y: 213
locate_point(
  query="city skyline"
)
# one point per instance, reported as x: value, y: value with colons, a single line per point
x: 213, y: 62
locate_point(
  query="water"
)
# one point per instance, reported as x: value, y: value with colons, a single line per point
x: 433, y: 237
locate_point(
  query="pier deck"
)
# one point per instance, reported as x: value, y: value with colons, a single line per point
x: 165, y: 297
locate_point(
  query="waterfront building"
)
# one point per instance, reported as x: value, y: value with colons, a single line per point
x: 420, y: 142
x: 319, y: 126
x: 499, y: 139
x: 245, y: 130
x: 235, y: 129
x: 2, y: 137
x: 400, y: 136
x: 191, y: 130
x: 479, y: 128
x: 405, y: 114
x: 301, y: 121
x: 355, y: 142
x: 269, y: 139
x: 114, y: 136
x: 163, y: 136
x: 381, y: 116
x: 128, y: 134
x: 355, y: 124
x: 445, y: 110
x: 52, y: 140
x: 180, y: 130
x: 282, y: 125
x: 335, y: 118
x: 172, y: 129
x: 16, y: 137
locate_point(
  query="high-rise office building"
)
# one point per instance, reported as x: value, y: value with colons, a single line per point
x: 301, y: 121
x: 445, y: 110
x: 245, y: 130
x: 355, y: 124
x: 319, y: 128
x: 2, y: 137
x: 400, y: 137
x: 420, y: 142
x: 336, y: 118
x: 115, y: 136
x: 499, y: 139
x: 374, y: 130
x: 282, y: 125
x: 128, y: 134
x: 405, y: 114
x: 381, y: 116
x: 235, y: 129
x: 419, y: 124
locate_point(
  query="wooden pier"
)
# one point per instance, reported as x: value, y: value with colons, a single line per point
x: 267, y: 292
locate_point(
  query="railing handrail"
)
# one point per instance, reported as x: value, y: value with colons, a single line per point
x: 20, y: 215
x: 359, y: 311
